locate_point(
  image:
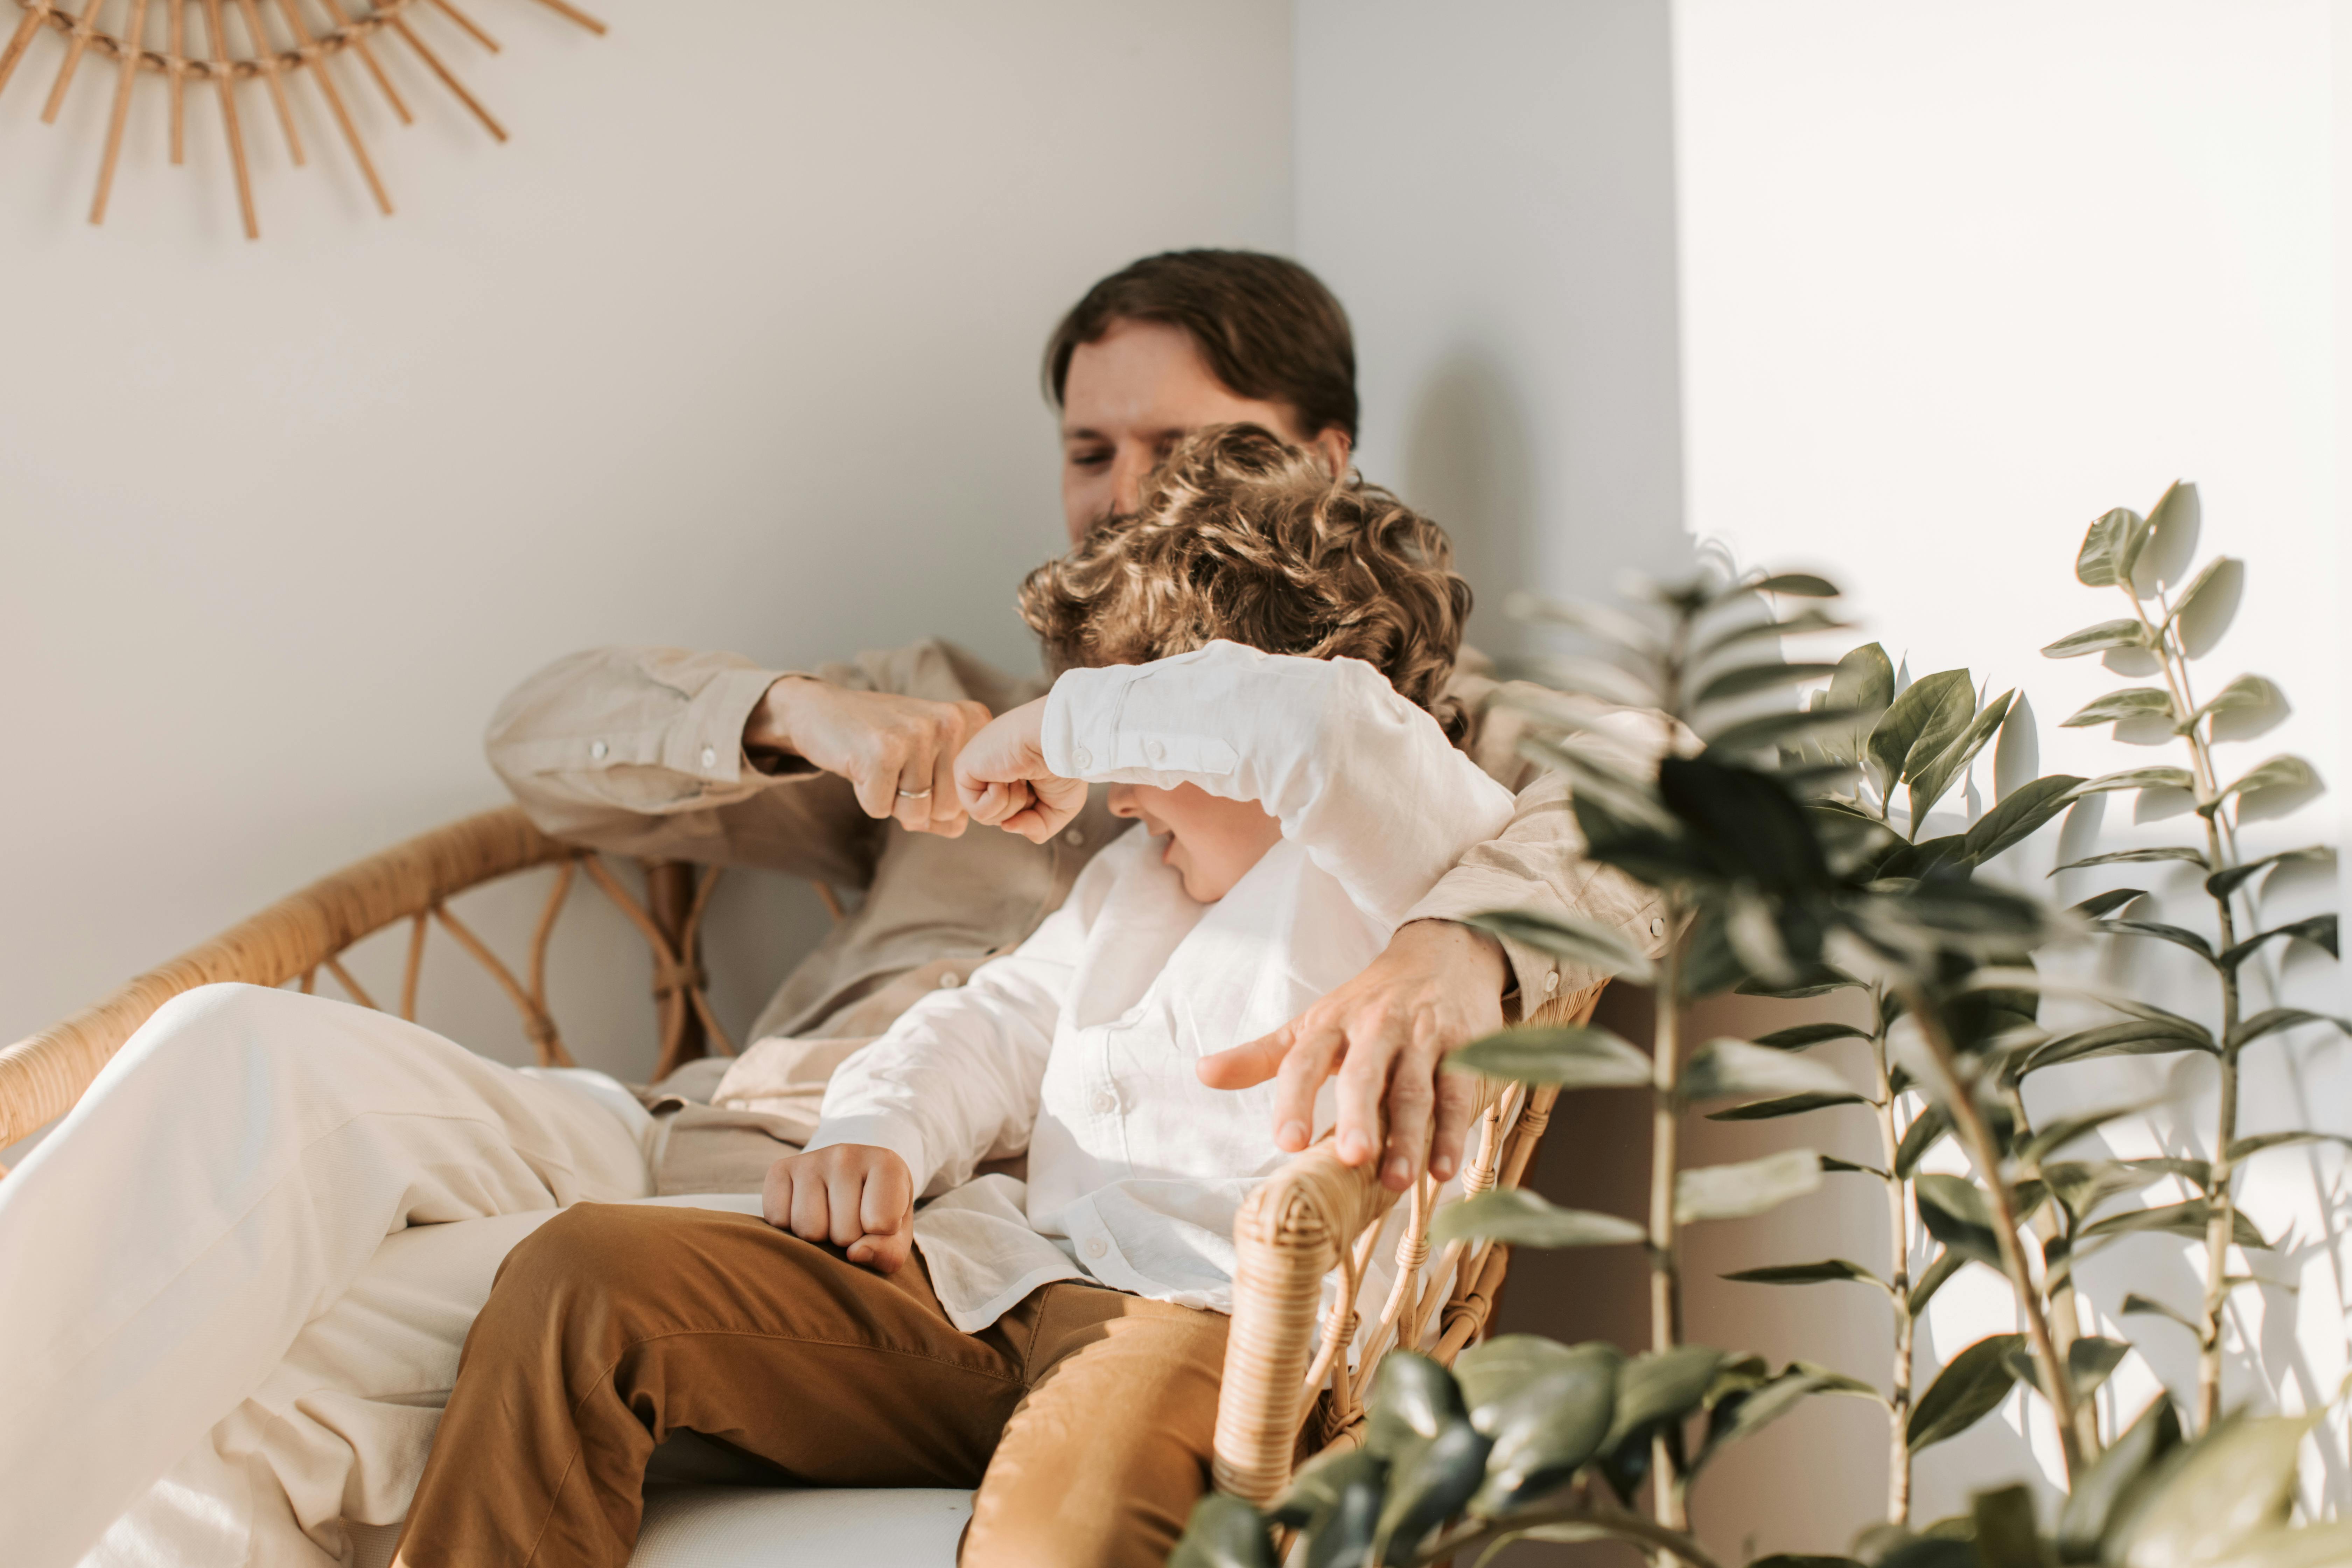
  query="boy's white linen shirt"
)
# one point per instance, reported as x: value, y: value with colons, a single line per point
x: 1080, y: 1045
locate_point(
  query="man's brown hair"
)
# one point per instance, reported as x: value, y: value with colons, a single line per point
x: 1245, y: 537
x: 1266, y: 326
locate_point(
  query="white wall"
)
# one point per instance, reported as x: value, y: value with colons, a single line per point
x: 734, y: 344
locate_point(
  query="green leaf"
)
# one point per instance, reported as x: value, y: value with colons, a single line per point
x: 2242, y: 1147
x: 2319, y: 930
x: 1797, y: 584
x: 2232, y: 1483
x: 1581, y: 942
x: 1728, y: 1069
x: 2281, y: 772
x: 2133, y: 1037
x: 2099, y: 904
x: 2110, y: 548
x: 1800, y: 1037
x: 1320, y: 1483
x: 2184, y: 1219
x: 1957, y: 1213
x: 1343, y: 1538
x: 2090, y: 1362
x: 2276, y: 1018
x: 2115, y: 1478
x: 1798, y: 625
x: 1412, y: 1396
x: 1970, y: 1387
x: 1591, y: 778
x: 2140, y: 778
x: 1742, y: 1412
x: 1524, y: 1219
x: 1224, y: 1532
x: 1932, y: 1280
x: 1929, y: 1126
x: 1573, y: 1055
x: 1430, y: 1486
x: 2150, y: 1307
x: 2022, y: 810
x: 1787, y: 1105
x: 2049, y: 1139
x: 2125, y: 633
x: 1780, y: 729
x: 1923, y: 721
x: 1862, y: 687
x: 2228, y: 880
x: 1749, y: 1187
x: 1659, y: 1386
x: 2175, y: 508
x: 1545, y: 1405
x: 2006, y: 1535
x: 1754, y: 678
x: 1822, y: 1273
x: 1604, y: 622
x: 1816, y: 982
x: 2198, y: 584
x: 2246, y: 691
x: 2135, y: 857
x: 2328, y: 1545
x: 1832, y: 1165
x: 2131, y: 703
x: 1936, y: 777
x: 2179, y: 936
x: 2082, y: 1185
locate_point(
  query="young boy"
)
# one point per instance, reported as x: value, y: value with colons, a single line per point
x: 1250, y: 661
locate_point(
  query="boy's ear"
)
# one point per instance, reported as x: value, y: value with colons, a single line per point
x: 1335, y: 449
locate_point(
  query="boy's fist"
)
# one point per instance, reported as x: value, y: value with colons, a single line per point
x: 854, y: 1196
x: 1001, y: 777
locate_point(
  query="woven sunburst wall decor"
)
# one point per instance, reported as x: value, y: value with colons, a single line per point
x: 310, y: 49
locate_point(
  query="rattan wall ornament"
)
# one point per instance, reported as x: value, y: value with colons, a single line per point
x: 309, y: 48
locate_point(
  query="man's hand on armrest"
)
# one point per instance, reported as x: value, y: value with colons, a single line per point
x: 1001, y: 777
x: 854, y: 1196
x: 898, y: 753
x: 1438, y: 986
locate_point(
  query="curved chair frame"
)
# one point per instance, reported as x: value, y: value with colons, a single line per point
x: 1295, y: 1377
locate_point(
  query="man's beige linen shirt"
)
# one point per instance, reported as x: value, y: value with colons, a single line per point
x: 639, y: 751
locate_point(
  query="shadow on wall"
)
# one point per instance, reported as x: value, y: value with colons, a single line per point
x: 1468, y: 463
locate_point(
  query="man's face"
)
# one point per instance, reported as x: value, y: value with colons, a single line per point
x: 1130, y: 396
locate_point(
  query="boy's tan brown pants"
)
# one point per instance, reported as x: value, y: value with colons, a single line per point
x: 1083, y: 1415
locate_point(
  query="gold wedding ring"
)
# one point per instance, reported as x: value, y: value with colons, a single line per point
x: 914, y: 794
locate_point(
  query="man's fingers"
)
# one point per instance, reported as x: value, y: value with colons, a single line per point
x: 1410, y: 1105
x: 911, y: 789
x: 888, y: 1198
x: 946, y: 806
x: 1363, y: 1084
x: 1246, y: 1066
x: 1316, y: 1051
x: 812, y: 1215
x: 1457, y: 1108
x: 883, y: 1254
x: 844, y: 1196
x: 776, y: 1194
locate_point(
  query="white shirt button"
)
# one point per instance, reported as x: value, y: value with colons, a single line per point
x: 1105, y: 1102
x: 1082, y: 759
x: 1551, y: 982
x: 950, y: 980
x: 597, y: 749
x: 1156, y: 751
x: 1075, y: 839
x: 709, y: 757
x: 1657, y: 928
x: 1097, y: 1246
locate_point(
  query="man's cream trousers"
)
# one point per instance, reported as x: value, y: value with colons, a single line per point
x: 208, y: 1270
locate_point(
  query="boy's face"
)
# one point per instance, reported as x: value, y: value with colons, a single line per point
x: 1212, y: 842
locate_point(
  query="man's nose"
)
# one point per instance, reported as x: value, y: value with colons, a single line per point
x: 1127, y: 470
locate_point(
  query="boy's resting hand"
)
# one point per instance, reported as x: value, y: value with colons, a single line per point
x: 1001, y: 777
x: 854, y: 1196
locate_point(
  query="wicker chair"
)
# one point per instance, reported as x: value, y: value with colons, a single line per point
x: 1292, y: 1385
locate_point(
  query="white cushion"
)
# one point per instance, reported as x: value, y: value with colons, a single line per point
x: 768, y: 1527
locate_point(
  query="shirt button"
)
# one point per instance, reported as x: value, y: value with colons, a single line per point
x: 950, y: 980
x: 1657, y: 928
x: 1551, y: 982
x: 1097, y: 1246
x: 1156, y: 752
x: 597, y: 749
x: 1082, y: 759
x: 1075, y: 839
x: 709, y: 757
x: 1105, y: 1103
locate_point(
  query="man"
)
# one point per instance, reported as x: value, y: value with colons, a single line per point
x: 843, y: 774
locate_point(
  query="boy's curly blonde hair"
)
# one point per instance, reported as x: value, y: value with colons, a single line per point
x: 1245, y: 537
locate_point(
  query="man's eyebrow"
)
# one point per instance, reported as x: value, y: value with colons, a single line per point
x: 1082, y: 433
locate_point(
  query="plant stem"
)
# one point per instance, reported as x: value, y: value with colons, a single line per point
x: 2221, y: 1206
x: 1898, y: 1278
x: 1969, y: 1122
x: 1665, y: 1276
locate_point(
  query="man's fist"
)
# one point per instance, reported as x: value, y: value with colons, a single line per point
x: 1001, y: 777
x: 858, y: 1197
x: 898, y: 753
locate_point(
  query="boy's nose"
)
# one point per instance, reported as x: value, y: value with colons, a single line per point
x: 1121, y: 801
